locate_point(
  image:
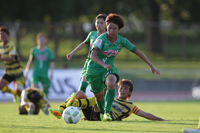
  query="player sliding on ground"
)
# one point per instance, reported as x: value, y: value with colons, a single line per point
x: 121, y: 107
x: 32, y: 100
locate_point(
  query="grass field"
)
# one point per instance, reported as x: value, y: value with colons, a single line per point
x: 183, y: 114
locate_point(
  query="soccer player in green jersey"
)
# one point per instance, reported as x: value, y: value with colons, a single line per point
x: 121, y: 107
x: 101, y: 71
x: 13, y: 69
x: 101, y: 28
x: 42, y: 56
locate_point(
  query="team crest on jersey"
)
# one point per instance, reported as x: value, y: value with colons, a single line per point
x: 98, y: 43
x: 119, y: 46
x: 110, y: 53
x: 41, y: 57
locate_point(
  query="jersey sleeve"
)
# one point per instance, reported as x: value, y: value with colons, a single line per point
x: 51, y: 55
x: 98, y: 42
x: 87, y: 40
x: 128, y: 45
x: 135, y: 109
x: 12, y: 50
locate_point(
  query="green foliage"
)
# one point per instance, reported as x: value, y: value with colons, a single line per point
x: 183, y: 114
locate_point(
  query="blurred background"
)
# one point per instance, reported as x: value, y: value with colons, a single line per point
x: 166, y: 31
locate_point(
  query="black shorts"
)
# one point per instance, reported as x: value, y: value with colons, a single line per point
x: 90, y: 115
x: 20, y: 78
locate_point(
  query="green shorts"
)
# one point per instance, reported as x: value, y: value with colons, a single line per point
x: 43, y: 79
x: 83, y: 72
x: 97, y: 82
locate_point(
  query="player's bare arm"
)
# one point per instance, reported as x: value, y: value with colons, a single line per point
x: 96, y: 59
x: 52, y: 66
x: 28, y: 65
x: 145, y: 59
x: 149, y: 116
x: 78, y: 48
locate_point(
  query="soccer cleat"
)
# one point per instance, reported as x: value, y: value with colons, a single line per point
x: 15, y: 98
x: 191, y: 131
x: 101, y: 117
x: 56, y: 112
x: 72, y: 100
x: 106, y: 117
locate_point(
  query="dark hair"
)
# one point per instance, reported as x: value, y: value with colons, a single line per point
x: 116, y: 19
x: 103, y: 16
x: 34, y: 96
x: 128, y: 82
x: 5, y: 29
x: 42, y: 34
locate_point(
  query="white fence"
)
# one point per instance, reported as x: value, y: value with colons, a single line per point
x: 63, y: 84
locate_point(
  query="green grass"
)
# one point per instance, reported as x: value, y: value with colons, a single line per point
x: 183, y: 114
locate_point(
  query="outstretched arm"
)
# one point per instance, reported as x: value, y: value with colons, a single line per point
x: 149, y: 116
x: 28, y: 65
x: 52, y: 66
x: 145, y: 59
x: 79, y: 47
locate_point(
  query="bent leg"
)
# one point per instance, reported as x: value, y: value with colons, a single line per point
x: 110, y: 94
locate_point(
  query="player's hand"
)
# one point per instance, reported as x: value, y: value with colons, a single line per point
x: 107, y: 66
x: 69, y: 56
x: 45, y: 110
x: 51, y: 76
x: 155, y: 71
x: 25, y: 76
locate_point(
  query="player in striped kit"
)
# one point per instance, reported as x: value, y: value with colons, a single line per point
x: 121, y: 107
x: 13, y: 69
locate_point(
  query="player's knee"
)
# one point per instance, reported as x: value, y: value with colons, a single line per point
x: 99, y: 99
x: 110, y: 85
x: 1, y: 86
x: 80, y: 95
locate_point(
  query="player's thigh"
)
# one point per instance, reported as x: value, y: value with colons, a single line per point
x: 34, y: 80
x: 45, y: 82
x: 5, y: 80
x: 20, y: 82
x: 95, y: 83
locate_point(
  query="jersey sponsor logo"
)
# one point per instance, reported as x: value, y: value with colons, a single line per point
x: 41, y: 57
x: 98, y: 43
x: 110, y: 53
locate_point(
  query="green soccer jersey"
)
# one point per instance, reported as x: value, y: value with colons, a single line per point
x: 107, y: 52
x: 41, y: 61
x: 92, y: 36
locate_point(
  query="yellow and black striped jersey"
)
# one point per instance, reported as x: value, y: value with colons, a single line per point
x: 12, y: 68
x: 122, y: 109
x: 27, y: 91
